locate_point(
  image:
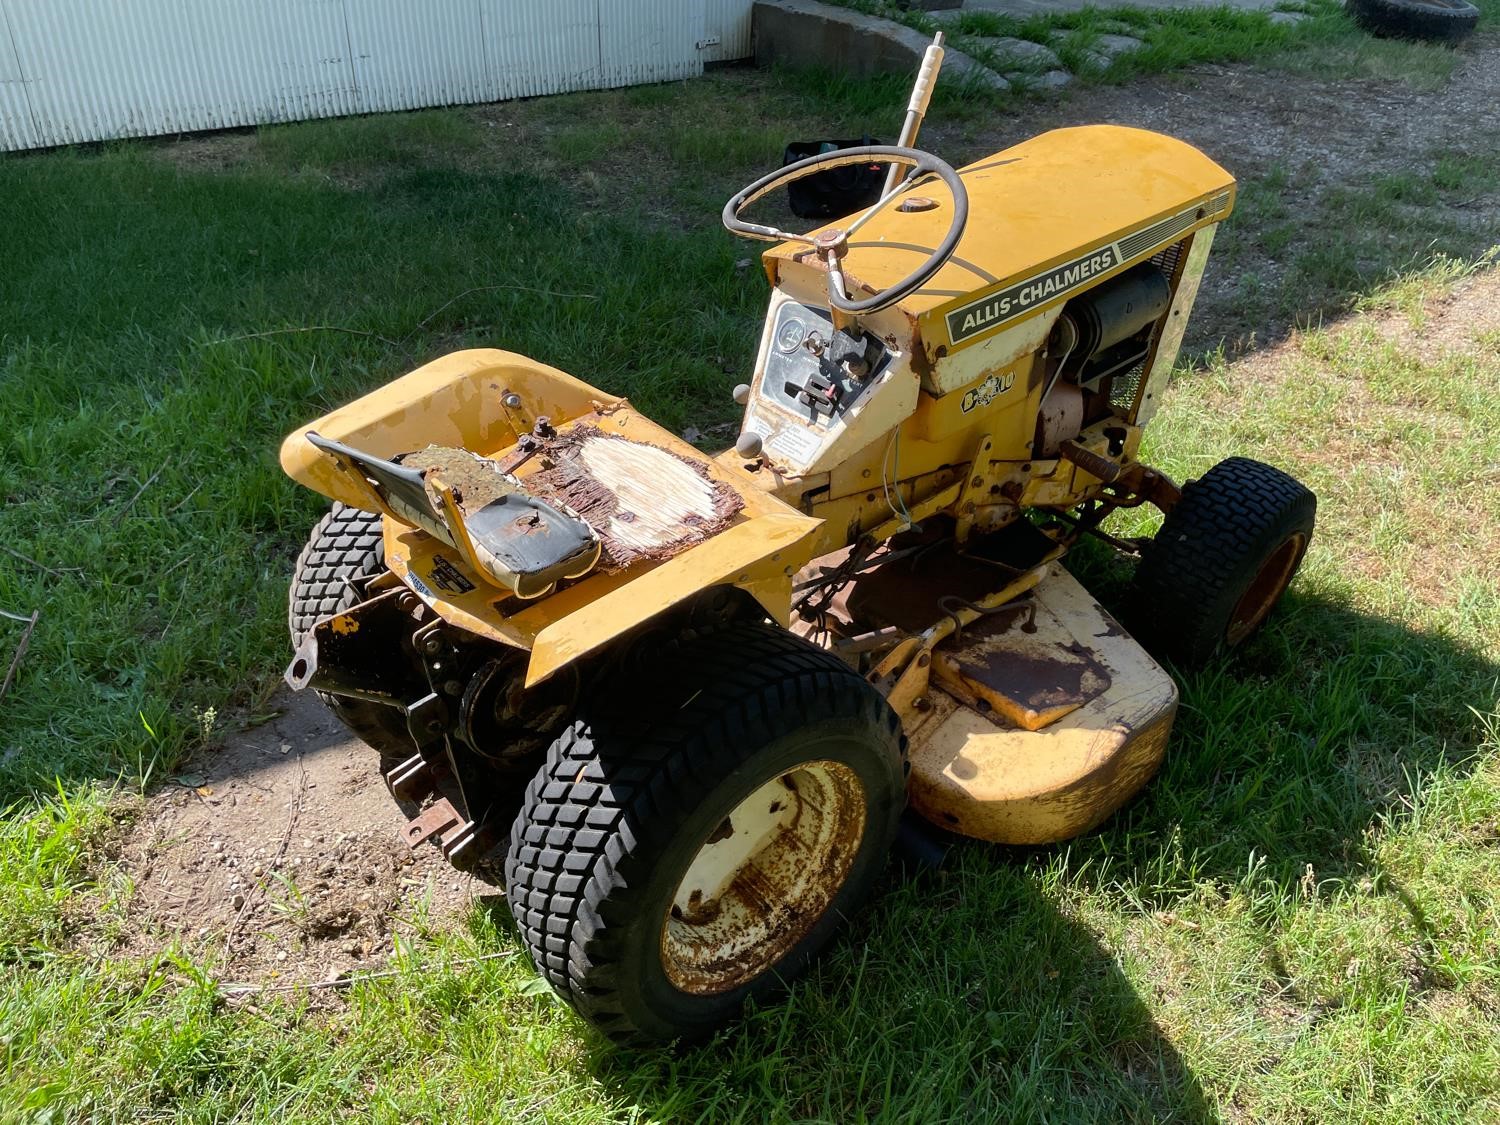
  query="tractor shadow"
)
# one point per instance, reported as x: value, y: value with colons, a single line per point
x: 987, y: 990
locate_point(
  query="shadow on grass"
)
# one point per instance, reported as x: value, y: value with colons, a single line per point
x: 961, y: 995
x: 976, y: 994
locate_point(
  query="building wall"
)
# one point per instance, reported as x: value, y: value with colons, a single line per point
x: 93, y: 70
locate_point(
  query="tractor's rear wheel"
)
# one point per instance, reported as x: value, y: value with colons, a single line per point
x: 345, y: 549
x: 1222, y: 560
x: 690, y: 846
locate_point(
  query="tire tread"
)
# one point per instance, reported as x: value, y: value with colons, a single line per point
x: 592, y: 811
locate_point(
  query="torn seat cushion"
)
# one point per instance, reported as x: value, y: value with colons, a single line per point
x: 645, y: 502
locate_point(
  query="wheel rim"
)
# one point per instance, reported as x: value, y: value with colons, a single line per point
x: 1269, y: 583
x: 763, y: 877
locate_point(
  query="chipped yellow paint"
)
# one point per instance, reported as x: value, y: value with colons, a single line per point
x: 905, y: 673
x: 937, y: 447
x: 459, y: 400
x: 754, y: 555
x: 344, y: 625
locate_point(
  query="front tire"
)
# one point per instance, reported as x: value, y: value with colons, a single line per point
x: 1222, y: 560
x: 685, y: 850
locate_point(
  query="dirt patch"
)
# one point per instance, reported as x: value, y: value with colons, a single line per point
x: 277, y: 856
x: 1461, y: 322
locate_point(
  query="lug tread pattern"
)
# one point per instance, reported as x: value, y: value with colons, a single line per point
x: 346, y: 545
x: 1191, y: 575
x: 613, y: 791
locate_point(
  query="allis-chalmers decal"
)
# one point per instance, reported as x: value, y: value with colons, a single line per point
x: 1032, y: 293
x: 987, y: 391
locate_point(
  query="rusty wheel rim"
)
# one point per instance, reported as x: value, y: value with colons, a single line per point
x: 763, y: 877
x: 1266, y: 588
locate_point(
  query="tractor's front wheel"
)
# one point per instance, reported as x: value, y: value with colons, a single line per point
x: 691, y: 846
x: 1225, y: 554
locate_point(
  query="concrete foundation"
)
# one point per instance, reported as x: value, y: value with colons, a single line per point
x: 806, y: 33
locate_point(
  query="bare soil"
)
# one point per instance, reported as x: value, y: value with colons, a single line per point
x: 277, y: 856
x: 280, y: 848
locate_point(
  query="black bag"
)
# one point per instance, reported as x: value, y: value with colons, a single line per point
x: 837, y: 192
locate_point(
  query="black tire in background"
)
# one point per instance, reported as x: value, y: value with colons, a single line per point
x: 646, y: 783
x: 1222, y: 559
x: 345, y: 548
x: 1438, y: 21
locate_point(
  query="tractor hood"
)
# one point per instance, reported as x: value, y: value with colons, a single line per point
x: 1047, y: 217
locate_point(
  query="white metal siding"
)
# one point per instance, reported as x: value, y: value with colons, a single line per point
x: 85, y: 70
x: 728, y: 21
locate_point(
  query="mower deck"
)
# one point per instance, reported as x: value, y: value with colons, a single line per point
x: 1030, y: 717
x: 1043, y: 720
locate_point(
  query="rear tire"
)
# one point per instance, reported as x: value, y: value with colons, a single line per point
x: 1222, y: 560
x: 756, y: 769
x: 345, y: 549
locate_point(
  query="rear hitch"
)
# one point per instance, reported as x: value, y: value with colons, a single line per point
x: 349, y: 654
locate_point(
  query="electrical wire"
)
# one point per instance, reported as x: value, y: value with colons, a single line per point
x: 889, y: 467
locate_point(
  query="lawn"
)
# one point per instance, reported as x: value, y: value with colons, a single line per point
x: 1298, y: 920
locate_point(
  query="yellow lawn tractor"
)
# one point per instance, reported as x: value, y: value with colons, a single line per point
x: 681, y: 701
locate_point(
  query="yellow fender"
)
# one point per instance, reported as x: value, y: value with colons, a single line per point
x: 758, y: 556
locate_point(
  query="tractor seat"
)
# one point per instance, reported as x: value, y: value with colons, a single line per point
x: 512, y: 539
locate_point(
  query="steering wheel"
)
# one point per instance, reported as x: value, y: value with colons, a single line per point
x: 833, y: 244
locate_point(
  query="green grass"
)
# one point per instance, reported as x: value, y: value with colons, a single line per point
x: 1289, y: 272
x: 1325, y: 45
x: 1297, y: 921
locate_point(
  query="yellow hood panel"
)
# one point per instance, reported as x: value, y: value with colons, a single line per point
x: 1042, y: 203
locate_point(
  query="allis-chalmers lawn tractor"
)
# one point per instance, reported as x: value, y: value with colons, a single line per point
x: 681, y: 701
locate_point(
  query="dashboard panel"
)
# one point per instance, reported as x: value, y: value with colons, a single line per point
x: 815, y: 371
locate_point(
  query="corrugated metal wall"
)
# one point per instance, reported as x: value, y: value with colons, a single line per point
x: 91, y: 70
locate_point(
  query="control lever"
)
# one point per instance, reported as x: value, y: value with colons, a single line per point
x: 819, y: 392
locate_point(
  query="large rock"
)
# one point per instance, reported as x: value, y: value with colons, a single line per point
x: 807, y: 33
x: 1023, y: 51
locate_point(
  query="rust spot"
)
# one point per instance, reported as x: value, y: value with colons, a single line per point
x: 1022, y: 662
x: 710, y: 946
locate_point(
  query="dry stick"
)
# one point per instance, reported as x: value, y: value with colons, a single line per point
x: 38, y: 565
x: 345, y: 982
x: 401, y: 343
x: 430, y: 317
x: 139, y: 492
x: 177, y: 507
x: 293, y: 812
x: 309, y: 328
x: 15, y: 661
